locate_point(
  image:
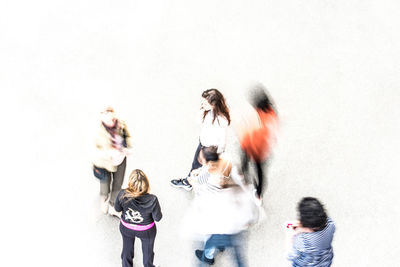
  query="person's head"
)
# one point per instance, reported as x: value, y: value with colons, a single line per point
x: 260, y: 99
x: 138, y: 184
x: 312, y: 214
x: 215, y: 101
x: 209, y: 154
x: 108, y: 117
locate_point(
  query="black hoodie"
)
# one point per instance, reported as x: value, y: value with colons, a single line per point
x: 141, y: 210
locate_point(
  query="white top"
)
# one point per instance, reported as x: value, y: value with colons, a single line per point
x: 214, y: 134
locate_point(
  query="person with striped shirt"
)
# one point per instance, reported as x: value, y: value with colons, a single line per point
x: 216, y: 172
x: 309, y: 240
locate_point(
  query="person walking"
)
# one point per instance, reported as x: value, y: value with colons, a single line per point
x: 139, y: 211
x: 112, y: 146
x: 223, y: 208
x: 215, y: 120
x: 257, y: 135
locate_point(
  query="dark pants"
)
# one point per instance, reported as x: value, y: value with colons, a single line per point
x: 259, y: 182
x: 196, y: 164
x: 147, y: 238
x: 223, y: 241
x: 115, y: 180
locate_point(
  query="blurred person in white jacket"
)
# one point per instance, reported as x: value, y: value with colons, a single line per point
x: 112, y: 146
x: 223, y: 208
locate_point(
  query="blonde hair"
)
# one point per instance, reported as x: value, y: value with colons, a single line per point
x: 138, y: 185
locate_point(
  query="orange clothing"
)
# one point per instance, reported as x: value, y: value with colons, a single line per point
x: 258, y: 134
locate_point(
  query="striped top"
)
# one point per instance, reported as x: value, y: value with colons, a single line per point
x: 313, y: 249
x: 211, y: 182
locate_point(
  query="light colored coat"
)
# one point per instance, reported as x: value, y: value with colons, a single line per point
x: 103, y: 146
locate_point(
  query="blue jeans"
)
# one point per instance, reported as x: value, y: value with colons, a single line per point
x: 223, y: 241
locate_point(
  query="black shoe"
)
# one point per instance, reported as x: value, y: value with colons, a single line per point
x: 201, y: 257
x: 181, y: 183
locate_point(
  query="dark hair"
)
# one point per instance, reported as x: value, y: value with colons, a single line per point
x: 217, y: 100
x: 259, y: 98
x: 312, y: 214
x: 210, y: 153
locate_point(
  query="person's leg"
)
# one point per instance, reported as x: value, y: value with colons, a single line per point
x: 244, y: 165
x: 238, y: 250
x: 215, y: 241
x: 244, y: 162
x: 118, y: 179
x: 105, y: 186
x: 128, y: 245
x: 261, y: 177
x: 195, y: 164
x: 148, y: 237
x: 104, y: 192
x: 209, y: 249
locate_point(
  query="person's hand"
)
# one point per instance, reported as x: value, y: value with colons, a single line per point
x: 195, y: 172
x: 290, y: 230
x: 127, y: 151
x: 291, y: 227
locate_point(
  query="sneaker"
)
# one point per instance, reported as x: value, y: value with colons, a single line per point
x: 181, y: 183
x: 201, y: 257
x: 104, y: 205
x: 113, y: 212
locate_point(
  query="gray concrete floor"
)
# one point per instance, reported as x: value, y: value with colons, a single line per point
x: 332, y: 67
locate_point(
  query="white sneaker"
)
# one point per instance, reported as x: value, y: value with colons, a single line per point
x: 113, y: 212
x: 104, y: 205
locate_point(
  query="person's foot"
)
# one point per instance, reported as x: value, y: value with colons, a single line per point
x: 183, y: 183
x: 201, y: 257
x: 104, y: 205
x: 256, y: 198
x: 113, y: 212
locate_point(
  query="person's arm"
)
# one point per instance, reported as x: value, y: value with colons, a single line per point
x: 203, y: 176
x: 294, y: 242
x: 117, y: 203
x: 127, y: 144
x: 221, y: 127
x: 192, y: 179
x: 127, y: 137
x: 156, y: 213
x: 237, y: 177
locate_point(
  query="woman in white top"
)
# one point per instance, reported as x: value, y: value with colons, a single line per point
x: 215, y: 121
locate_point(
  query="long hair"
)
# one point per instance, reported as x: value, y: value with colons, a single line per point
x: 217, y: 100
x: 138, y: 185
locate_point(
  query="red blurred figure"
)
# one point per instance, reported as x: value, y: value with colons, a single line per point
x: 257, y: 134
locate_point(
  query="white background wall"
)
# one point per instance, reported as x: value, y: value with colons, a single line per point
x: 331, y: 66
